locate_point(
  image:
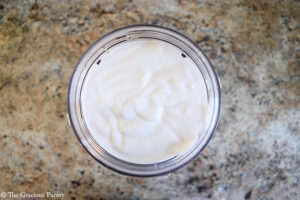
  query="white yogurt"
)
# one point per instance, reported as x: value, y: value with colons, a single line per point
x: 144, y: 102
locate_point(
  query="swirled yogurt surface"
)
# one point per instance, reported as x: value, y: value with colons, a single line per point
x: 144, y: 101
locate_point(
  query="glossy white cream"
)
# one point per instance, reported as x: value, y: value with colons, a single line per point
x: 144, y: 102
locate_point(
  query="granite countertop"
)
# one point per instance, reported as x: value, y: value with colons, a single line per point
x: 254, y: 46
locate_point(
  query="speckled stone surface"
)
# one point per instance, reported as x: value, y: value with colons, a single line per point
x: 255, y: 48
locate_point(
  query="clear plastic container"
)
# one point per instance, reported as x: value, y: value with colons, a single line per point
x: 132, y: 33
